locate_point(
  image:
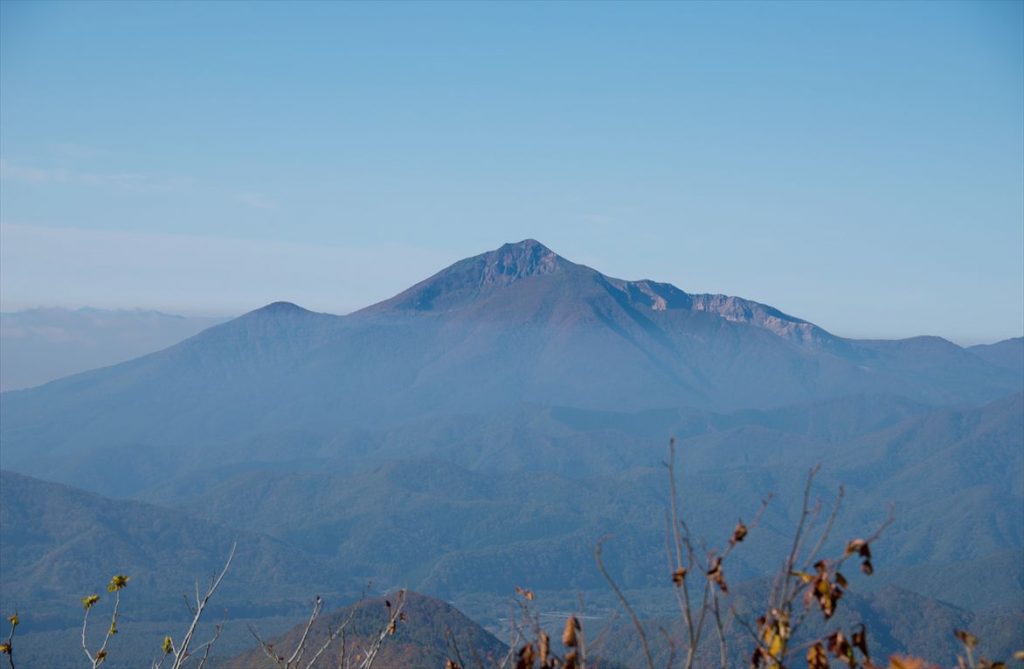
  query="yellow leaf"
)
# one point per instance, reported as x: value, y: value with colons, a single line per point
x: 816, y: 657
x: 118, y: 582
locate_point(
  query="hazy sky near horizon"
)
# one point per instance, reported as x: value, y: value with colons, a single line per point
x: 857, y: 165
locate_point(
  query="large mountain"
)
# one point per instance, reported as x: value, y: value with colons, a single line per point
x: 484, y: 428
x: 518, y: 324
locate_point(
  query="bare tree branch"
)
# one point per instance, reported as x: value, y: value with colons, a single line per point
x: 623, y: 601
x: 394, y: 614
x: 181, y: 654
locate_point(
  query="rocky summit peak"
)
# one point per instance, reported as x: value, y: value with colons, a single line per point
x: 517, y: 261
x: 463, y: 282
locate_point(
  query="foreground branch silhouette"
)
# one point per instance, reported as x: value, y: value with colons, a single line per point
x: 366, y: 658
x: 181, y: 653
x: 806, y: 585
x: 117, y: 584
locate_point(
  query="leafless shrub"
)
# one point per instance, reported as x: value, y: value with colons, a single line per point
x: 182, y: 652
x: 364, y: 660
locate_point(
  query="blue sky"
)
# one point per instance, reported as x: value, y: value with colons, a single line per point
x: 859, y: 165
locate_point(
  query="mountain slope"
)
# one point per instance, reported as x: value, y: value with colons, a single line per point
x: 40, y: 345
x: 1008, y: 353
x: 60, y: 543
x: 431, y: 522
x: 520, y: 497
x: 519, y: 324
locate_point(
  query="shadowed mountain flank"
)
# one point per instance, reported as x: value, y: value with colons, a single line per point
x: 482, y: 430
x: 516, y: 325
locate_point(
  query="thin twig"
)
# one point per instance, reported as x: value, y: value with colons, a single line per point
x: 181, y: 654
x: 300, y: 647
x: 723, y: 648
x: 10, y: 640
x: 623, y: 601
x: 671, y: 647
x: 682, y: 591
x: 827, y: 529
x: 208, y: 645
x: 804, y: 512
x: 101, y: 654
x: 331, y: 636
x: 389, y: 628
x: 449, y: 638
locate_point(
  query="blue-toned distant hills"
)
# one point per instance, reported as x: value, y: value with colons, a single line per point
x: 519, y: 324
x: 483, y: 428
x: 1008, y: 354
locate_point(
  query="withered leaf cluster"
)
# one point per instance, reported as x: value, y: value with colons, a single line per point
x: 861, y: 548
x: 538, y: 655
x: 739, y: 533
x: 826, y: 591
x: 774, y: 631
x: 717, y: 575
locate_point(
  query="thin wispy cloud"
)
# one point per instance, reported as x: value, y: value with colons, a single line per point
x: 597, y: 219
x: 75, y: 151
x: 256, y: 200
x: 131, y: 181
x: 75, y: 267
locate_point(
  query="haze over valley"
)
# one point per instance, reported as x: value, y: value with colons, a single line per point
x: 511, y: 335
x: 484, y: 428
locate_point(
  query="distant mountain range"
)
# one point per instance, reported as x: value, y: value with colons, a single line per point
x: 443, y: 508
x: 480, y: 430
x: 1008, y: 354
x: 519, y: 324
x: 61, y: 544
x: 40, y: 345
